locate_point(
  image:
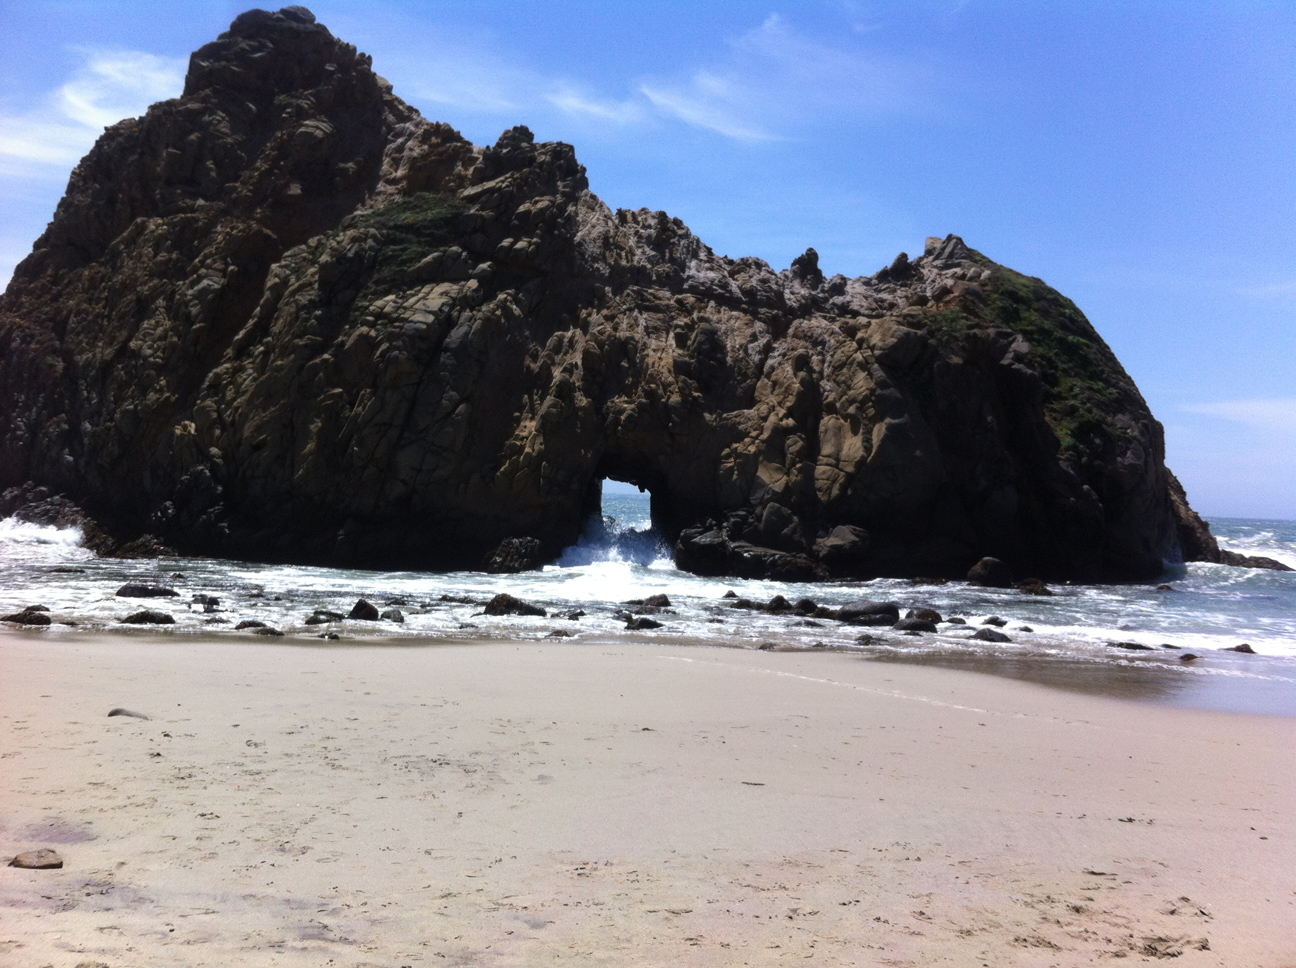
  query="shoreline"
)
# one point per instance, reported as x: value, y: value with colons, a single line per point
x: 622, y: 803
x: 1253, y: 684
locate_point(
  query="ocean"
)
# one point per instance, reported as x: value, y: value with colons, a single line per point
x: 1082, y: 631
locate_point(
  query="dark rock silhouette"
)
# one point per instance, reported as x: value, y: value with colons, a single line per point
x: 284, y: 317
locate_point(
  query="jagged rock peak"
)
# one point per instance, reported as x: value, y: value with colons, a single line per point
x: 286, y: 317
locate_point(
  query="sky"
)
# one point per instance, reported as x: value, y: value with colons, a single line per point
x: 1138, y: 156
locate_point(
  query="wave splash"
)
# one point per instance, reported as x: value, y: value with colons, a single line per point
x: 13, y: 531
x: 605, y: 539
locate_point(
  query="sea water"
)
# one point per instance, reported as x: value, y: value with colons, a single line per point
x: 619, y: 558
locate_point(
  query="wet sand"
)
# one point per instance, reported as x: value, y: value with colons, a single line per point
x: 622, y: 804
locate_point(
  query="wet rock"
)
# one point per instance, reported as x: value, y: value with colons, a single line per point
x: 133, y: 590
x: 914, y: 625
x: 778, y: 605
x: 866, y: 612
x: 560, y: 634
x: 994, y: 620
x: 394, y: 615
x: 640, y: 624
x: 572, y: 614
x: 363, y: 611
x: 38, y: 860
x: 1251, y: 561
x: 1243, y: 648
x: 956, y: 620
x: 31, y: 615
x: 249, y: 623
x: 458, y: 600
x: 119, y: 711
x: 506, y: 604
x: 209, y: 603
x: 805, y: 606
x: 730, y: 594
x: 657, y: 601
x: 1131, y: 646
x: 1033, y: 586
x: 149, y: 617
x: 267, y: 630
x: 1188, y: 657
x: 331, y: 636
x: 990, y: 572
x: 1025, y: 628
x: 926, y: 614
x: 322, y: 616
x: 513, y: 555
x: 1164, y: 588
x: 743, y: 603
x: 66, y: 570
x: 990, y: 635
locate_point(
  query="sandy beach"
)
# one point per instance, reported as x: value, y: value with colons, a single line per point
x: 635, y: 803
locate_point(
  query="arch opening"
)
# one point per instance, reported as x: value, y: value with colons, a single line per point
x: 620, y: 526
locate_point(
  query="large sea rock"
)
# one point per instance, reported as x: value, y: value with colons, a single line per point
x: 283, y: 316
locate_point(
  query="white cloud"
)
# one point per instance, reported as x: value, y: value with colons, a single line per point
x: 572, y: 101
x: 774, y: 81
x: 109, y: 86
x: 1275, y: 413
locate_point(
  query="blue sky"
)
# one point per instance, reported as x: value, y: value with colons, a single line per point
x: 1137, y: 156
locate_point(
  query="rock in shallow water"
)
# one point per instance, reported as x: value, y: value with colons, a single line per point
x: 149, y: 616
x: 506, y: 604
x: 364, y: 611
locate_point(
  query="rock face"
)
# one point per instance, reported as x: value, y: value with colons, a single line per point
x: 285, y: 317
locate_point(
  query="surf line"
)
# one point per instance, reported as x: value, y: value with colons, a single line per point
x: 897, y: 694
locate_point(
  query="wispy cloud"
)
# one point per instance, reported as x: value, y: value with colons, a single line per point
x: 767, y: 84
x: 109, y: 86
x: 572, y: 101
x: 1274, y: 413
x: 773, y: 80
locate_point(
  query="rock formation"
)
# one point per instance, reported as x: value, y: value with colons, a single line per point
x: 283, y: 316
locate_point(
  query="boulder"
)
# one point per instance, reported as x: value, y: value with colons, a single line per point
x: 1033, y: 586
x: 994, y: 620
x: 865, y: 612
x: 133, y: 590
x: 1243, y: 648
x: 31, y: 615
x: 990, y: 635
x: 513, y: 555
x: 925, y: 614
x: 394, y: 615
x: 990, y: 572
x: 322, y: 616
x: 506, y: 604
x: 249, y: 623
x: 640, y: 624
x: 914, y: 625
x: 149, y: 617
x: 363, y: 611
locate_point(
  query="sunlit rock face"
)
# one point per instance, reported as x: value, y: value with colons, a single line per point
x: 285, y: 317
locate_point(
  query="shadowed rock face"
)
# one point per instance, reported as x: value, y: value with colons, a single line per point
x: 285, y: 317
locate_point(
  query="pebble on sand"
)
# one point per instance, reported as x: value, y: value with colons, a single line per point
x: 38, y: 860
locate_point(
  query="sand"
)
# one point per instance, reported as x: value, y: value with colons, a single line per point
x: 621, y: 804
